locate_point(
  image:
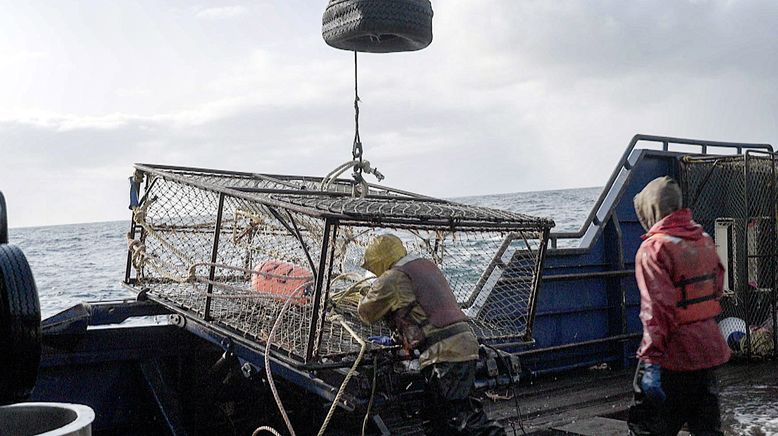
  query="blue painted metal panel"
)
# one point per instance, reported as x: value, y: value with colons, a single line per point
x: 101, y: 370
x: 110, y: 388
x: 590, y: 309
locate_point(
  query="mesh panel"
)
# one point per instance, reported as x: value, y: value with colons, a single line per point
x: 733, y: 198
x: 491, y: 273
x: 243, y: 250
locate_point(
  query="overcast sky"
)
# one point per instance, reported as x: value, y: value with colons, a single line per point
x: 511, y: 95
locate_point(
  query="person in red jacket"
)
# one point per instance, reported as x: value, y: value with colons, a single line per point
x: 680, y: 278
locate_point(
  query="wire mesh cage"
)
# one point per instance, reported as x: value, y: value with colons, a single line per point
x: 734, y: 199
x: 278, y: 257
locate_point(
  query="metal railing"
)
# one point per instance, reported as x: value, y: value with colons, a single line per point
x: 623, y: 163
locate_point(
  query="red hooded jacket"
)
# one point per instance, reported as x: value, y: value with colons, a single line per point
x: 666, y: 341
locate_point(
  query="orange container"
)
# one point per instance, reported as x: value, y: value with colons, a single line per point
x: 282, y: 279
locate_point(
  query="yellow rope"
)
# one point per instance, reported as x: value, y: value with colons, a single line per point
x: 348, y: 375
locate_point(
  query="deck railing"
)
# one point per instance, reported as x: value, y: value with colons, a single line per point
x: 667, y: 142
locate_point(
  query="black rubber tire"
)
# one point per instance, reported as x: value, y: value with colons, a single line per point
x: 20, y: 326
x: 3, y: 221
x: 378, y: 26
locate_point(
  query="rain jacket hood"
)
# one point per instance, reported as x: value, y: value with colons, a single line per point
x: 658, y: 199
x: 383, y: 252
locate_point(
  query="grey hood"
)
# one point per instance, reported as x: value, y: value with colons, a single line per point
x: 661, y: 197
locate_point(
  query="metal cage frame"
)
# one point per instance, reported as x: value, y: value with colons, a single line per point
x: 314, y: 213
x: 739, y: 192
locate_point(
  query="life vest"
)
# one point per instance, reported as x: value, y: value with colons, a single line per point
x: 694, y: 276
x: 281, y: 280
x: 435, y: 297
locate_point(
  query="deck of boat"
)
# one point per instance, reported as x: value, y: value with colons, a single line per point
x: 576, y: 402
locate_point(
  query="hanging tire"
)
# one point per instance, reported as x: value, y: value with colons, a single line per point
x: 378, y: 26
x: 3, y: 221
x: 20, y: 326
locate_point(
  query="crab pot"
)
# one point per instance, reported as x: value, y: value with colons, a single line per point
x: 256, y: 254
x: 734, y: 199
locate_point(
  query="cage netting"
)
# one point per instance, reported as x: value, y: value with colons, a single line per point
x: 734, y: 199
x: 251, y: 251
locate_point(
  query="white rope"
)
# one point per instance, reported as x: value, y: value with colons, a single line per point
x: 141, y: 259
x: 357, y: 164
x: 271, y: 382
x: 334, y: 174
x: 337, y: 298
x: 269, y: 372
x: 267, y: 429
x: 348, y: 375
x: 139, y: 216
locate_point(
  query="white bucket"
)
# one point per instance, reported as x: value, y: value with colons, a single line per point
x: 46, y: 419
x: 733, y: 329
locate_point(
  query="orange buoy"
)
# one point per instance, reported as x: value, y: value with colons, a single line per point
x: 282, y: 279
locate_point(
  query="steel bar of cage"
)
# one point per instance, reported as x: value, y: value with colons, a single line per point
x: 149, y: 184
x: 148, y: 188
x: 309, y: 192
x: 429, y: 224
x: 480, y: 221
x: 536, y: 277
x: 133, y: 226
x: 495, y: 262
x: 303, y: 245
x: 196, y: 170
x: 711, y: 170
x: 350, y: 182
x: 773, y: 249
x: 242, y: 195
x: 335, y: 227
x: 278, y: 178
x: 128, y: 269
x: 214, y: 257
x: 296, y: 233
x: 317, y: 294
x: 756, y: 253
x: 744, y: 283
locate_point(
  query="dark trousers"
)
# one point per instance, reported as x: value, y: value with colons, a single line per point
x: 692, y: 398
x: 451, y: 410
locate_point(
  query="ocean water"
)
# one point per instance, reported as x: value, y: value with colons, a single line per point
x: 86, y: 262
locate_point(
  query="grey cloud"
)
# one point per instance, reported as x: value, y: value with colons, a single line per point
x: 613, y: 38
x: 511, y: 96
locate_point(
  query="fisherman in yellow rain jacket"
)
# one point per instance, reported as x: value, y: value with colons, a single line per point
x: 414, y: 296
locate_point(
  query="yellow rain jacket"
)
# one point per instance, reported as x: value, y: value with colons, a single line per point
x: 393, y: 290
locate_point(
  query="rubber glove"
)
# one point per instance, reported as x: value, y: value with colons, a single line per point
x: 652, y: 383
x: 386, y: 341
